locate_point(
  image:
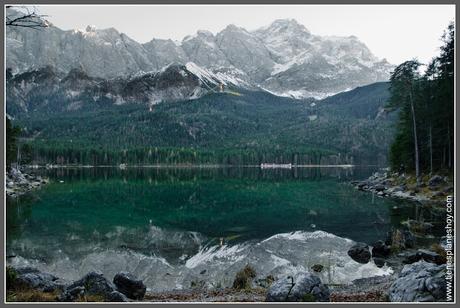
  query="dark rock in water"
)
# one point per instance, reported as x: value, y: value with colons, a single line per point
x: 93, y: 284
x: 302, y: 287
x: 423, y: 254
x: 32, y: 278
x: 380, y: 250
x: 436, y: 180
x: 362, y: 185
x: 317, y: 268
x: 379, y: 262
x: 129, y: 285
x: 379, y: 187
x: 116, y: 296
x: 360, y: 253
x: 203, y: 272
x: 419, y: 282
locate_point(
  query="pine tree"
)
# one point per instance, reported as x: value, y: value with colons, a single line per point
x: 403, y: 94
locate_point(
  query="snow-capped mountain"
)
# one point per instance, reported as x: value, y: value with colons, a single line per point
x: 48, y: 89
x: 284, y: 57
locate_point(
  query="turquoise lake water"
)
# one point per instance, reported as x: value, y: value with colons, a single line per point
x: 175, y: 222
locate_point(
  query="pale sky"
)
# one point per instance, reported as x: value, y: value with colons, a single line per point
x: 395, y: 32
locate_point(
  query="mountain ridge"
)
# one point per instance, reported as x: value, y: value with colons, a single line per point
x: 283, y: 57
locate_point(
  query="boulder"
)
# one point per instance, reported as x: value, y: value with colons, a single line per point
x: 92, y: 283
x: 32, y: 278
x: 380, y: 250
x: 71, y: 294
x: 435, y: 180
x: 379, y: 262
x: 302, y: 287
x: 362, y: 185
x: 419, y: 282
x: 423, y: 254
x: 360, y: 253
x: 129, y: 285
x: 116, y: 296
x: 379, y: 187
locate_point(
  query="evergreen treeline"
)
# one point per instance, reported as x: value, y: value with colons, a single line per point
x: 425, y: 140
x: 215, y: 129
x: 42, y: 153
x: 12, y: 134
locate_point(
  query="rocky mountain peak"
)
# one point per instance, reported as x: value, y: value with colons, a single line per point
x: 282, y: 57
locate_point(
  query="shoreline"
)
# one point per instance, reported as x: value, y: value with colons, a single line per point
x: 197, y: 166
x: 431, y: 190
x: 19, y: 182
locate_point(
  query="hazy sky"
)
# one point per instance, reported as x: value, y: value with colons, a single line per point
x: 394, y: 32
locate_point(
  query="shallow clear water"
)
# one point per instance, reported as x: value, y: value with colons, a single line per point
x: 175, y: 226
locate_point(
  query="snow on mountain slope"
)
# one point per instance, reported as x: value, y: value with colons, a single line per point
x: 283, y: 57
x: 50, y: 90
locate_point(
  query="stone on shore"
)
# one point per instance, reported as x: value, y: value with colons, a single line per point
x: 32, y: 278
x: 380, y: 250
x: 129, y: 285
x: 423, y: 254
x: 92, y: 283
x: 303, y: 287
x: 419, y: 282
x: 360, y: 253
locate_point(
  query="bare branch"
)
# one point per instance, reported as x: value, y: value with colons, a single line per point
x: 27, y: 20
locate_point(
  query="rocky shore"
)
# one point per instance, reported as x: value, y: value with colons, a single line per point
x: 19, y: 182
x: 418, y: 277
x: 431, y: 189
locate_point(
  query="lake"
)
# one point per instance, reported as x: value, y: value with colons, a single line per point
x: 181, y: 227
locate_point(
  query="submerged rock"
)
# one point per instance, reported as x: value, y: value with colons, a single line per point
x: 129, y: 285
x: 360, y: 253
x: 419, y: 282
x: 300, y: 288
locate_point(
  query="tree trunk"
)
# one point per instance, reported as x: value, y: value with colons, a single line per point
x: 417, y: 163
